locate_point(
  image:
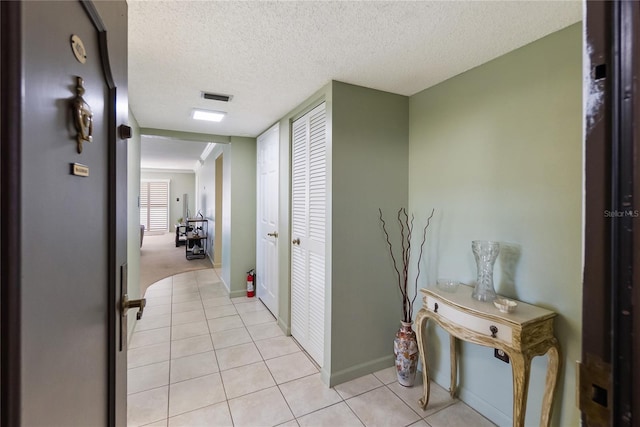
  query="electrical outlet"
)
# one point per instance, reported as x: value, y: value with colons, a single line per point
x: 499, y: 354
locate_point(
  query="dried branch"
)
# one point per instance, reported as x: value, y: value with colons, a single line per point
x: 395, y: 265
x: 406, y: 233
x: 424, y: 239
x: 406, y: 305
x: 403, y: 283
x: 402, y: 239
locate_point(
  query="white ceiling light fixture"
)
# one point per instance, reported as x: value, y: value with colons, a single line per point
x: 207, y: 150
x: 207, y: 115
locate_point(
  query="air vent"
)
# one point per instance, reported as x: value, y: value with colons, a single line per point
x: 216, y: 96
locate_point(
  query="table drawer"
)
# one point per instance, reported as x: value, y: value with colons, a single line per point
x: 468, y: 321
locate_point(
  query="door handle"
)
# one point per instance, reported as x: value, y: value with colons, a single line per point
x: 133, y: 303
x: 274, y: 234
x: 296, y: 241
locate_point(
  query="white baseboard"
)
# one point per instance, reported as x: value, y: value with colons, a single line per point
x: 236, y: 294
x: 473, y: 400
x: 358, y: 370
x: 285, y: 328
x: 488, y: 411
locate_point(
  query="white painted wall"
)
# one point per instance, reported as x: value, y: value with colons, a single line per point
x: 205, y: 193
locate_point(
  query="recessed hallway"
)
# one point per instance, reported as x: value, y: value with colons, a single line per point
x: 198, y: 358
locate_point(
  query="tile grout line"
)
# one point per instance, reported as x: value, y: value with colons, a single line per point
x: 215, y: 353
x: 405, y: 403
x: 276, y: 383
x: 224, y: 389
x: 170, y: 351
x: 342, y: 400
x: 218, y: 363
x: 349, y: 406
x: 286, y: 382
x: 264, y: 361
x: 171, y: 344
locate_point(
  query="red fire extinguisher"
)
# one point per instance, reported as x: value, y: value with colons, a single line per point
x: 251, y: 288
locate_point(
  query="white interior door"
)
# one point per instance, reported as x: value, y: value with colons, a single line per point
x: 308, y: 228
x: 267, y: 213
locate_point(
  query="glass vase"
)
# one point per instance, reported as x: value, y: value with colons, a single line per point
x: 486, y: 253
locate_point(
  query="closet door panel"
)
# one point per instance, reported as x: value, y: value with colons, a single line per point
x: 299, y: 225
x: 315, y: 343
x: 308, y: 226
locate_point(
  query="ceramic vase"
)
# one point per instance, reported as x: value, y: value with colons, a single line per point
x: 486, y: 253
x: 405, y: 348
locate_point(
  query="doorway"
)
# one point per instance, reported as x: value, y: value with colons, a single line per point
x: 609, y: 391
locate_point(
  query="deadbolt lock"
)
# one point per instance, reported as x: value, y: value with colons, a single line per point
x: 134, y: 303
x: 274, y: 234
x: 594, y: 389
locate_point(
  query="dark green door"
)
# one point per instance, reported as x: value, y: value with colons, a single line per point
x: 72, y: 370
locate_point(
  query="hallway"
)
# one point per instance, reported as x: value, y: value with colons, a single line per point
x: 198, y: 358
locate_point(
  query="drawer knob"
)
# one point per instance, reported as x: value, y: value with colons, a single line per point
x: 494, y: 331
x: 435, y: 308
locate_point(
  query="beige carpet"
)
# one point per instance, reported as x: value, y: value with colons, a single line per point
x: 159, y: 258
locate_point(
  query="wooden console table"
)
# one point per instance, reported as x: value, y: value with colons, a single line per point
x: 523, y: 334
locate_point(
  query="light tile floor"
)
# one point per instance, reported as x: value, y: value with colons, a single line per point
x: 198, y: 358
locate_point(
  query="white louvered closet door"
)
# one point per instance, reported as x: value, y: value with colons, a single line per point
x: 308, y: 226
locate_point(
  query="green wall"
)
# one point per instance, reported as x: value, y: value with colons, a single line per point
x: 241, y: 241
x: 497, y: 151
x: 369, y: 170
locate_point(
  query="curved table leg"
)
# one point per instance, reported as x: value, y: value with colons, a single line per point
x: 553, y: 372
x: 521, y: 367
x: 421, y: 335
x: 454, y: 366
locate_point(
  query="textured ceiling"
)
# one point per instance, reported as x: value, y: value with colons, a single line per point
x: 167, y: 153
x: 272, y: 55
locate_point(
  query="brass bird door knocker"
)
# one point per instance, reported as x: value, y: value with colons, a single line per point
x: 82, y: 115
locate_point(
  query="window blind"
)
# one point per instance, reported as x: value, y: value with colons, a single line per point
x: 154, y: 205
